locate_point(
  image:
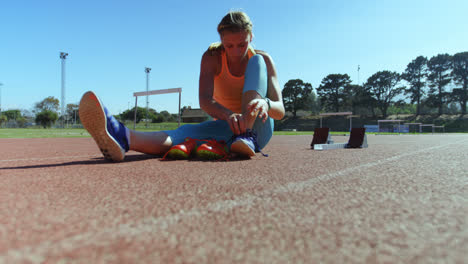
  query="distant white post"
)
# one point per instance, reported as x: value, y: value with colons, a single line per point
x: 1, y: 84
x: 390, y: 121
x: 443, y: 128
x: 147, y: 70
x: 428, y: 125
x: 63, y: 57
x: 414, y: 124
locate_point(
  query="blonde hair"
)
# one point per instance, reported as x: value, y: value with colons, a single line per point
x: 234, y: 21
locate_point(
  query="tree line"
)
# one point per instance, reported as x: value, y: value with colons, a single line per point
x: 424, y: 83
x: 45, y: 114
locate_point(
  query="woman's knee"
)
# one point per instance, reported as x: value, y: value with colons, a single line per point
x: 256, y: 76
x: 256, y: 66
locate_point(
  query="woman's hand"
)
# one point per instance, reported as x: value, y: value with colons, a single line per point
x: 259, y: 106
x: 237, y: 123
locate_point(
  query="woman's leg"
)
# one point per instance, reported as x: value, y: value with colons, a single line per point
x: 158, y: 143
x: 155, y: 143
x: 256, y: 87
x: 217, y: 130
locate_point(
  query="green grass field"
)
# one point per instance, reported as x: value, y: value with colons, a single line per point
x: 42, y: 133
x: 80, y: 132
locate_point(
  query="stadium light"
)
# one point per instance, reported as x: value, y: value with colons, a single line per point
x: 147, y: 70
x: 1, y: 84
x: 63, y: 56
x: 358, y: 68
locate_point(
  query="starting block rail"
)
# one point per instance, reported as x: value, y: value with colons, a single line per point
x: 330, y: 146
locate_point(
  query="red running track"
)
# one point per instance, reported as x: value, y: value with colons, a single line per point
x: 402, y: 200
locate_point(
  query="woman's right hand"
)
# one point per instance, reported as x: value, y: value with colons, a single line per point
x: 236, y: 123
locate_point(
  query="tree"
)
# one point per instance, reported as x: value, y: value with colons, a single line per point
x: 166, y: 116
x: 415, y: 74
x: 311, y: 103
x: 12, y: 114
x: 332, y: 91
x: 3, y: 119
x: 46, y: 118
x: 295, y: 93
x: 50, y: 103
x: 21, y: 122
x: 460, y: 77
x: 382, y: 87
x: 359, y: 100
x: 439, y: 76
x: 141, y: 114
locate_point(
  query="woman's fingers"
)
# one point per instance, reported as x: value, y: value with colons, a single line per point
x: 235, y: 125
x: 241, y: 124
x: 253, y: 107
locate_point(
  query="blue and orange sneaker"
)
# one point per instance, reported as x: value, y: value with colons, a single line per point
x: 246, y: 144
x: 181, y: 151
x: 213, y: 150
x: 109, y: 134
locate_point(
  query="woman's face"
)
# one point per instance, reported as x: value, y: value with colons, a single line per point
x: 236, y: 44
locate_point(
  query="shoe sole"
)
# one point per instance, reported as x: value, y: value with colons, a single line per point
x: 94, y: 120
x: 243, y: 149
x: 208, y: 155
x: 177, y: 154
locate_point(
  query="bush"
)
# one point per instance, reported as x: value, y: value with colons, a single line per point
x: 3, y: 119
x: 157, y: 119
x: 46, y: 118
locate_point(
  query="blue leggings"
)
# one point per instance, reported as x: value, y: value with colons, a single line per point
x: 256, y: 79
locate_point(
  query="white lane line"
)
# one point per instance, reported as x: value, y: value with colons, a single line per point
x: 149, y: 225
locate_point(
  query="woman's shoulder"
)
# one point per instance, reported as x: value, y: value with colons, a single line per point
x: 212, y: 57
x: 265, y: 56
x: 215, y: 49
x: 261, y: 52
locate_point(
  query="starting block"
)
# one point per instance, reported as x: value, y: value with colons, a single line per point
x: 357, y: 139
x: 321, y: 136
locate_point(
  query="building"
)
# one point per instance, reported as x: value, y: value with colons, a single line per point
x: 195, y: 115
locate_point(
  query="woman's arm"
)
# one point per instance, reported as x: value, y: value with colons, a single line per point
x: 208, y: 70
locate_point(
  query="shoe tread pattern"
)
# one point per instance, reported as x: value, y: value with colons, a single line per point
x: 93, y: 118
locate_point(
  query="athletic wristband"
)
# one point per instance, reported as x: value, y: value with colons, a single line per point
x: 268, y: 103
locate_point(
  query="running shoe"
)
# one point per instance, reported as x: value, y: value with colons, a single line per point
x: 213, y: 150
x: 181, y: 151
x: 108, y: 132
x: 246, y: 144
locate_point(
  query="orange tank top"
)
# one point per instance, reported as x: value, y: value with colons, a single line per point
x: 227, y: 87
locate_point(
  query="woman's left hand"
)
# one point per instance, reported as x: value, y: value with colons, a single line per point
x: 259, y: 106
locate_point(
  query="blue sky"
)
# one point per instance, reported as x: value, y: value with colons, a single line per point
x: 111, y: 42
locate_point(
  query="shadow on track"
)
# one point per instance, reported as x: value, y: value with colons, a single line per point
x: 93, y: 161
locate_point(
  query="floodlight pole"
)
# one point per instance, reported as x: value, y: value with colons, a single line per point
x: 147, y: 70
x: 1, y: 84
x: 358, y: 68
x: 63, y: 57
